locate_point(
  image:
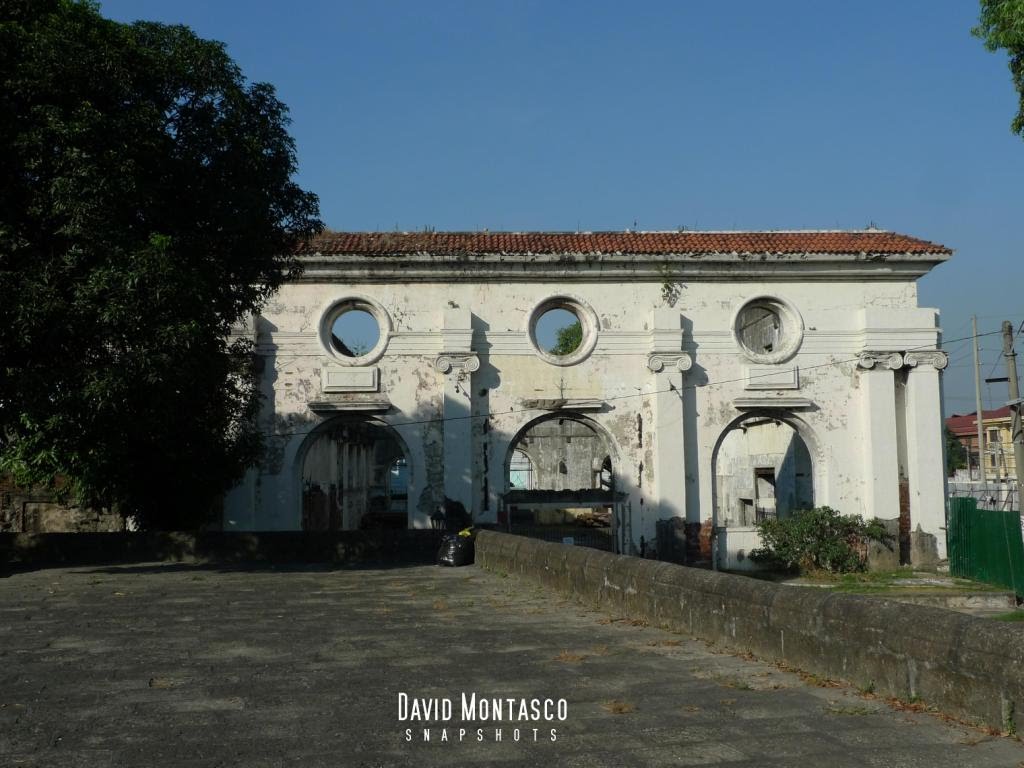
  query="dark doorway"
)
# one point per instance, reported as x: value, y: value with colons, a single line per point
x: 355, y: 475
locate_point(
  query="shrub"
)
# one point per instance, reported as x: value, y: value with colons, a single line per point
x: 818, y: 539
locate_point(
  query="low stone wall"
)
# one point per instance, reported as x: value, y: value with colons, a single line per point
x: 338, y: 547
x: 966, y: 666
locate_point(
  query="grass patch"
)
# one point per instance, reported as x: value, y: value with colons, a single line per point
x: 902, y: 580
x: 1011, y: 616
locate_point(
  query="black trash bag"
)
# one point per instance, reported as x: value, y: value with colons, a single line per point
x: 456, y: 550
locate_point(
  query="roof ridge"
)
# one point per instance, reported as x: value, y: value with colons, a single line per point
x: 625, y: 241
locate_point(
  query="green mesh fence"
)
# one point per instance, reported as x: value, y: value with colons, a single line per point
x: 985, y: 545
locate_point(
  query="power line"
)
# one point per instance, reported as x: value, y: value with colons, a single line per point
x: 709, y: 384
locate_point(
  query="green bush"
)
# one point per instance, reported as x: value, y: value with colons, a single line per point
x: 819, y: 539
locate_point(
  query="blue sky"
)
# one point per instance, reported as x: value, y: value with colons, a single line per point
x: 598, y: 115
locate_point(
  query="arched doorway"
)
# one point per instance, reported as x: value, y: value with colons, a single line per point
x: 560, y: 484
x: 355, y: 474
x: 762, y: 468
x: 520, y: 471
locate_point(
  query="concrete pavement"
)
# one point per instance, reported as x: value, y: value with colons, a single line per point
x: 183, y: 665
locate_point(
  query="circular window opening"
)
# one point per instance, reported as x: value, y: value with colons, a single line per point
x: 559, y: 331
x: 759, y: 328
x: 354, y: 333
x: 562, y: 330
x: 768, y: 330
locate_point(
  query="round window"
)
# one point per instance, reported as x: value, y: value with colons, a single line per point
x: 768, y: 330
x: 355, y: 330
x: 563, y: 330
x: 354, y: 333
x: 559, y: 331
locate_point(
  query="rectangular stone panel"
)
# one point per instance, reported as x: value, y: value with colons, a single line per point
x: 772, y: 377
x: 342, y: 379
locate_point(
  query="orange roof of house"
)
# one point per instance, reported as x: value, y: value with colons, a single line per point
x: 967, y: 424
x: 455, y: 243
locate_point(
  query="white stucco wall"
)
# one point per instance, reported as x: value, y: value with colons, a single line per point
x: 458, y: 417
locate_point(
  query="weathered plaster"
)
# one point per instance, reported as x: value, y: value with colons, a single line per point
x: 459, y: 357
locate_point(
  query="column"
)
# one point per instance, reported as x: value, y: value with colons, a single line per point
x: 925, y: 445
x: 457, y: 362
x: 669, y: 445
x: 881, y: 469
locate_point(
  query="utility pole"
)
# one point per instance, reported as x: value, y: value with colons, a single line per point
x: 977, y: 402
x: 1017, y: 434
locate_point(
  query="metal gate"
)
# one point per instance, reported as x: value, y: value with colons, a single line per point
x: 985, y: 545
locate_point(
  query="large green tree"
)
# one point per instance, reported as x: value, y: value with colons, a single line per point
x: 146, y: 207
x: 1001, y: 26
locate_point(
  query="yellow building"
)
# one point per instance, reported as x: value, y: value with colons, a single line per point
x: 998, y: 460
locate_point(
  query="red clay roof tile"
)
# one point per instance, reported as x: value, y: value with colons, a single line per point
x: 468, y: 243
x: 967, y: 424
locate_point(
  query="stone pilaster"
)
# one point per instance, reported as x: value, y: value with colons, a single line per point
x: 669, y: 446
x: 925, y: 444
x: 457, y: 363
x: 881, y: 470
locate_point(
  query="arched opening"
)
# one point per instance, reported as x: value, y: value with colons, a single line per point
x: 560, y: 484
x: 762, y: 468
x: 355, y: 474
x: 520, y: 471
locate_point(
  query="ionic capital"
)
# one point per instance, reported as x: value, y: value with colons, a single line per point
x: 681, y: 361
x: 892, y: 361
x: 933, y: 357
x: 462, y: 361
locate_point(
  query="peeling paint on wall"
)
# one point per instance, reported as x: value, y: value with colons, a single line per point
x: 616, y: 384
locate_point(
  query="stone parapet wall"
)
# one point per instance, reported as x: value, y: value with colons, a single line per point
x: 966, y: 666
x: 35, y: 510
x: 335, y: 547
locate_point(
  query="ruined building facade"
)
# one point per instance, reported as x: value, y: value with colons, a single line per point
x: 704, y: 380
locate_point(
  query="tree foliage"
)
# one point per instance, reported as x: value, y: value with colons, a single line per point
x: 819, y: 539
x: 956, y: 454
x: 567, y: 339
x: 145, y: 206
x: 1001, y: 26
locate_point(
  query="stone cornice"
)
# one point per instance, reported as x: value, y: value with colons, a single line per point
x: 681, y: 361
x: 467, y: 362
x: 421, y: 267
x: 891, y: 361
x: 936, y: 358
x: 350, y: 404
x: 564, y: 404
x: 789, y: 403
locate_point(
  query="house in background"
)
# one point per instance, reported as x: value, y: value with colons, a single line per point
x: 998, y: 461
x: 995, y: 487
